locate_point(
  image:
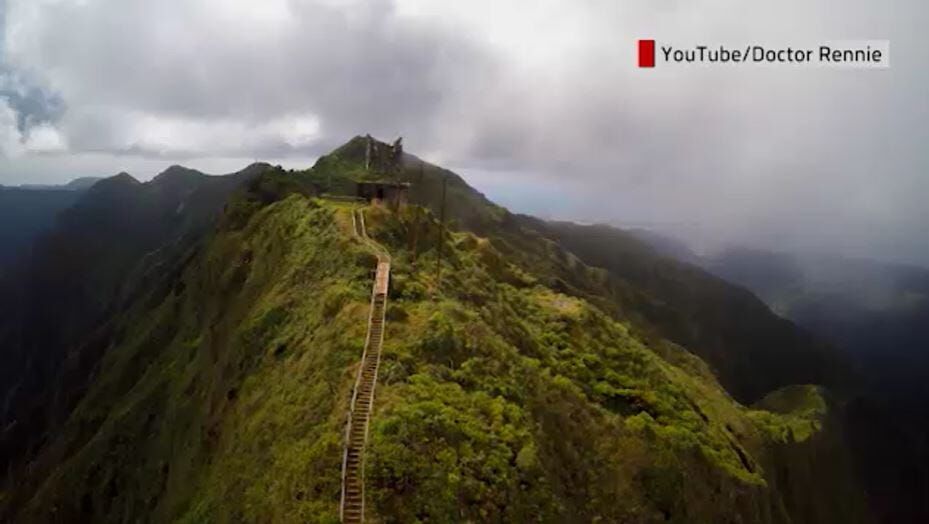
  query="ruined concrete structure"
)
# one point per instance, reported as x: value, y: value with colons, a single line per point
x: 384, y: 159
x: 385, y: 162
x: 388, y: 192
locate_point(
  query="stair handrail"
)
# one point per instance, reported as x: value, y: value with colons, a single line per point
x: 383, y: 257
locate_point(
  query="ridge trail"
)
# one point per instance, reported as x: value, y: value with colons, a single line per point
x: 352, y: 505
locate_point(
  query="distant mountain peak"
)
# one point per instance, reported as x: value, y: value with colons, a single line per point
x: 82, y: 183
x: 122, y: 178
x: 256, y: 167
x: 359, y: 147
x: 177, y: 171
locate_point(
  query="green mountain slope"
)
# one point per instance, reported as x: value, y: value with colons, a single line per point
x: 752, y: 350
x: 511, y: 388
x: 211, y: 402
x: 56, y: 307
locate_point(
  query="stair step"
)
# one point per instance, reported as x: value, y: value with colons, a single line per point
x: 363, y: 400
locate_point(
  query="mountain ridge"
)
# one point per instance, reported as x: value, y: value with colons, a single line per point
x: 516, y: 381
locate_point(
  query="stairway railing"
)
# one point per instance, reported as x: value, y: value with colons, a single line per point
x: 381, y: 283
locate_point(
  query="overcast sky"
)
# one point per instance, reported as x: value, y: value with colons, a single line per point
x: 542, y: 108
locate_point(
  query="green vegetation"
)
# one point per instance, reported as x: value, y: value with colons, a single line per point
x: 224, y: 401
x: 800, y: 412
x: 501, y: 399
x: 510, y: 388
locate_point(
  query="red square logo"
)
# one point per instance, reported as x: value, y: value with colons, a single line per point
x: 646, y: 53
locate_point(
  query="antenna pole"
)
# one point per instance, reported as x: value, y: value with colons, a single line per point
x: 438, y: 267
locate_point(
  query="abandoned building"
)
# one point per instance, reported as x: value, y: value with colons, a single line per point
x: 383, y: 159
x: 393, y: 194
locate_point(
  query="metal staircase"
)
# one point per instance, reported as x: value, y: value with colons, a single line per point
x: 352, y: 505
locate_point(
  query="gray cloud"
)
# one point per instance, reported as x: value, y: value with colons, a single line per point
x: 32, y: 104
x: 547, y: 97
x: 187, y: 62
x: 29, y: 104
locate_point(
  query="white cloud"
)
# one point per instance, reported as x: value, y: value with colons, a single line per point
x: 44, y: 138
x: 167, y: 135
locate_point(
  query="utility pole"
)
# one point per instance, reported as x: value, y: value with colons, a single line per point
x: 419, y: 219
x: 438, y: 264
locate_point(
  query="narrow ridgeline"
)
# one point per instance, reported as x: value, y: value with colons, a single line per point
x: 352, y: 505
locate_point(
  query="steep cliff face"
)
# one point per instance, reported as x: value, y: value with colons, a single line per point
x: 511, y: 387
x: 220, y: 393
x: 877, y: 313
x: 56, y: 307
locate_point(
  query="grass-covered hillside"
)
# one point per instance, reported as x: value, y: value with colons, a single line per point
x: 58, y: 304
x: 511, y: 387
x: 752, y: 350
